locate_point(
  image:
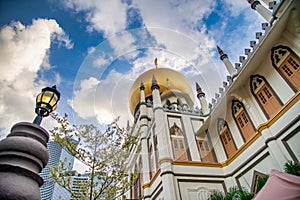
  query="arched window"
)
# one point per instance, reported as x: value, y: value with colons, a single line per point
x: 206, y: 151
x: 286, y: 62
x: 242, y: 119
x: 226, y: 138
x: 264, y: 95
x: 178, y: 143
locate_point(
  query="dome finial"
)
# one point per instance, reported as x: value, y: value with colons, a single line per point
x: 155, y: 62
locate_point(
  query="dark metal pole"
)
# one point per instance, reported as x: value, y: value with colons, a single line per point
x: 38, y: 120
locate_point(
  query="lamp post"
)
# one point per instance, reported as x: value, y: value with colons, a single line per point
x: 23, y: 153
x: 46, y: 102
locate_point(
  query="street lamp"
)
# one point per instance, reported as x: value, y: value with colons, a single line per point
x: 23, y: 153
x: 46, y: 102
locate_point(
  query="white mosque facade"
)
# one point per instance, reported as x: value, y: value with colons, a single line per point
x: 249, y: 128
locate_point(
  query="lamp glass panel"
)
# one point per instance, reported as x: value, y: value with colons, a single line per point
x: 53, y: 100
x: 54, y: 107
x: 39, y: 97
x: 47, y: 96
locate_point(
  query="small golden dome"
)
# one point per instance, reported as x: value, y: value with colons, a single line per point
x: 167, y: 79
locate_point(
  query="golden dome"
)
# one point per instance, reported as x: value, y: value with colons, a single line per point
x: 167, y: 79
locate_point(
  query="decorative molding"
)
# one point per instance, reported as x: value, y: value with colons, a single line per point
x: 145, y: 117
x: 202, y: 193
x: 147, y: 185
x: 158, y: 108
x: 163, y: 160
x: 180, y: 180
x: 196, y: 163
x: 167, y: 172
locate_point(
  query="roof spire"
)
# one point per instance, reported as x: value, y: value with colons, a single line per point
x: 142, y: 87
x: 155, y: 62
x: 222, y: 54
x: 220, y: 50
x: 154, y: 83
x: 202, y: 100
x: 200, y: 93
x: 231, y: 70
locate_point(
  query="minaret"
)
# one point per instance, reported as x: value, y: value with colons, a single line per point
x: 202, y: 100
x: 144, y: 143
x: 163, y: 144
x: 155, y: 93
x: 263, y: 11
x: 231, y: 70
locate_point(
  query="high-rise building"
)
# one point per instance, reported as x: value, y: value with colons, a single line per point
x: 249, y: 128
x: 60, y: 193
x: 77, y: 181
x: 56, y: 154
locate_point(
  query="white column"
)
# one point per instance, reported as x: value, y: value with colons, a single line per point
x: 263, y: 11
x: 191, y: 140
x: 202, y: 100
x: 231, y: 70
x: 275, y: 151
x: 144, y: 144
x: 165, y: 159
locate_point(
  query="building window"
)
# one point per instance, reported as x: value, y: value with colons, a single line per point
x: 206, y: 152
x: 242, y: 120
x: 265, y: 96
x: 178, y: 140
x: 226, y: 138
x: 286, y: 62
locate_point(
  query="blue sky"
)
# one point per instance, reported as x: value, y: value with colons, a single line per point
x: 94, y: 50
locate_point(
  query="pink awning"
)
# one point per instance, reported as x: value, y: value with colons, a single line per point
x: 280, y: 186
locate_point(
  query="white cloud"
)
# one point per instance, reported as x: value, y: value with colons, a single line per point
x: 91, y: 50
x: 235, y: 7
x: 100, y: 61
x: 177, y: 26
x: 176, y: 15
x: 108, y: 17
x: 122, y: 43
x: 105, y: 100
x: 84, y: 98
x: 111, y: 97
x: 24, y: 53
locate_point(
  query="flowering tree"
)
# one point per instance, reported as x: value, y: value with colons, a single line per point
x: 104, y: 154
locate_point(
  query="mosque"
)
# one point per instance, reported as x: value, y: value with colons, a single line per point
x: 250, y: 127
